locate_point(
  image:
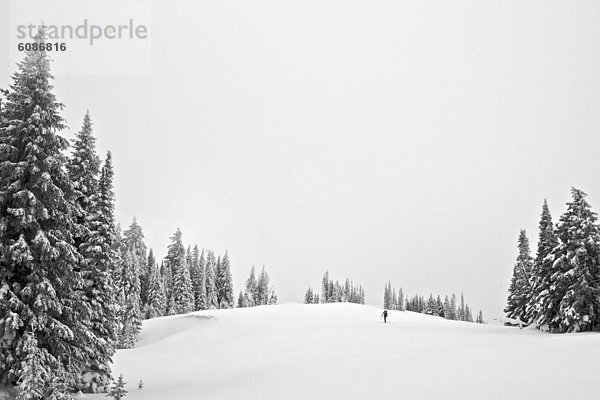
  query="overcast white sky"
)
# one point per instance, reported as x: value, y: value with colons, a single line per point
x: 393, y: 140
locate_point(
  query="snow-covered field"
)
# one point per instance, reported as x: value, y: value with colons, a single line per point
x: 344, y: 351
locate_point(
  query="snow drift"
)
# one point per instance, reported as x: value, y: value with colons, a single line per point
x: 344, y: 351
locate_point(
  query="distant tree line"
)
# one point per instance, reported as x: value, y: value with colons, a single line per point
x: 559, y: 290
x: 334, y: 292
x: 447, y: 308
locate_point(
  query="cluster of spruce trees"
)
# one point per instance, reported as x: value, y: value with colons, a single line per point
x: 334, y: 292
x: 257, y: 291
x: 448, y: 308
x: 393, y: 300
x: 559, y: 290
x: 187, y: 280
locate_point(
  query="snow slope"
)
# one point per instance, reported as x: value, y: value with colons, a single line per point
x: 344, y: 351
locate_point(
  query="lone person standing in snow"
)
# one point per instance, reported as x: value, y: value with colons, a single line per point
x: 384, y: 315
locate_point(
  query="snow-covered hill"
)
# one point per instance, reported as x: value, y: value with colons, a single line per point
x: 344, y: 351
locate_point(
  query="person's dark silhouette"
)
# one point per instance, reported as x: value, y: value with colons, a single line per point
x: 384, y: 316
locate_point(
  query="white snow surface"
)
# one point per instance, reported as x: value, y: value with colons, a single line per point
x: 345, y: 351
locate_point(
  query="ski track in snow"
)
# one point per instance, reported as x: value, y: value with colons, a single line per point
x: 345, y: 351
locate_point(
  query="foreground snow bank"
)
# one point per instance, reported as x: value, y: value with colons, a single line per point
x: 344, y: 351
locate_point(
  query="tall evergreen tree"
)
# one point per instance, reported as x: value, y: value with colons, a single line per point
x: 133, y: 238
x: 218, y: 282
x: 195, y: 276
x: 453, y: 310
x: 42, y: 315
x: 242, y: 300
x: 325, y: 291
x: 211, y: 281
x: 480, y: 318
x: 145, y: 276
x: 129, y: 299
x: 542, y: 267
x: 224, y: 283
x: 157, y: 301
x: 167, y: 277
x: 100, y: 262
x: 252, y: 288
x: 84, y: 164
x: 521, y: 283
x: 263, y: 288
x: 95, y: 267
x: 182, y: 300
x: 461, y: 310
x: 400, y: 300
x: 201, y: 300
x: 571, y: 302
x: 386, y: 295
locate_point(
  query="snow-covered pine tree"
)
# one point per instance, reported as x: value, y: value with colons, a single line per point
x: 325, y: 291
x: 346, y: 293
x: 167, y: 277
x: 386, y: 296
x: 447, y: 308
x: 101, y: 261
x: 252, y: 288
x: 224, y: 283
x: 468, y: 314
x: 129, y: 296
x: 453, y: 310
x: 461, y: 309
x: 201, y: 300
x: 272, y: 297
x: 571, y: 303
x: 151, y: 262
x: 309, y: 296
x: 211, y: 280
x: 117, y: 392
x: 84, y: 165
x: 189, y: 259
x: 41, y: 311
x: 332, y: 292
x: 430, y: 305
x: 400, y: 304
x: 542, y: 266
x: 183, y: 297
x: 521, y: 282
x: 217, y: 281
x: 145, y: 276
x: 35, y: 373
x: 99, y: 257
x: 195, y: 275
x: 241, y: 300
x: 133, y: 239
x: 480, y: 319
x: 157, y: 300
x: 439, y: 306
x: 263, y: 288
